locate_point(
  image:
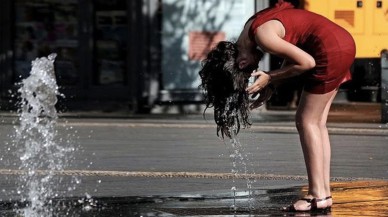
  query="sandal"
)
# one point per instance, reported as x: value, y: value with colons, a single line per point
x: 313, y: 205
x: 328, y: 198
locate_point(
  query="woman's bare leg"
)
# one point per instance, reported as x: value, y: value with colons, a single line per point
x: 327, y: 149
x: 311, y: 120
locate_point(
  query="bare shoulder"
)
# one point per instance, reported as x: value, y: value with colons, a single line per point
x: 270, y: 37
x: 271, y: 27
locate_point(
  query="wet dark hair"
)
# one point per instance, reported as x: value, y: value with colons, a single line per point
x: 223, y: 86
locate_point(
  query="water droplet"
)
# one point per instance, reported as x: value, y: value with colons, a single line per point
x: 87, y: 208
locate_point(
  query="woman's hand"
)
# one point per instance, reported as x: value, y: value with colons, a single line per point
x: 263, y: 79
x: 265, y: 95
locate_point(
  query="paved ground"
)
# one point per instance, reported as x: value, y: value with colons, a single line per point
x: 175, y: 165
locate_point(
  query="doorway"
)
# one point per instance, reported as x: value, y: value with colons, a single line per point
x: 90, y: 39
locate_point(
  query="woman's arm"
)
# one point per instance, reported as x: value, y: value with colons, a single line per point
x: 269, y: 37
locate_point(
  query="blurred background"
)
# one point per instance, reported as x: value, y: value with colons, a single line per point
x: 140, y: 54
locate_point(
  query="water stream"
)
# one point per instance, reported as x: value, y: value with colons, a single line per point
x: 240, y: 165
x: 39, y: 154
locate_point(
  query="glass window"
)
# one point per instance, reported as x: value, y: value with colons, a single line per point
x: 43, y: 27
x: 111, y: 36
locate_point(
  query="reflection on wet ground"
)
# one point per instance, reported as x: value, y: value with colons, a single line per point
x: 358, y: 198
x: 367, y: 198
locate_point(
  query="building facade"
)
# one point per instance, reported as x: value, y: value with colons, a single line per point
x: 106, y: 50
x: 133, y: 52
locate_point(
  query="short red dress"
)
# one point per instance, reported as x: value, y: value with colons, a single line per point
x: 331, y: 46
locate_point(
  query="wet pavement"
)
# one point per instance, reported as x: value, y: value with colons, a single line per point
x: 174, y: 165
x: 355, y: 198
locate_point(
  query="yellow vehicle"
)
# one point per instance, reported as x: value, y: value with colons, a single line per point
x: 366, y: 20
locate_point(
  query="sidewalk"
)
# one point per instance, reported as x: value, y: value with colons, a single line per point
x: 353, y: 112
x: 174, y: 165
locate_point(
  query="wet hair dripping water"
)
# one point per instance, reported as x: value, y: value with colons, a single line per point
x: 223, y: 86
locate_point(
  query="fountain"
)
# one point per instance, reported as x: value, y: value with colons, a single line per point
x: 39, y: 155
x: 239, y: 159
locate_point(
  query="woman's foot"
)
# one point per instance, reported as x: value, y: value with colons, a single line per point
x: 310, y: 203
x: 329, y: 200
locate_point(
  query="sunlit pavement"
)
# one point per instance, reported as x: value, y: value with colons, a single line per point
x: 352, y: 198
x: 355, y: 198
x: 364, y: 198
x: 176, y: 166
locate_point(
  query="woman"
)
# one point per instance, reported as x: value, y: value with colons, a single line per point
x: 314, y: 48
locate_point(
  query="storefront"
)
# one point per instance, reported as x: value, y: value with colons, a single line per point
x: 102, y: 46
x: 135, y: 53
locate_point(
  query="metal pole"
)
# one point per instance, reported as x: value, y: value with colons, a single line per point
x: 384, y: 86
x: 265, y: 62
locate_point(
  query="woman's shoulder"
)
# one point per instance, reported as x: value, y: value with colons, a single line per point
x: 268, y: 14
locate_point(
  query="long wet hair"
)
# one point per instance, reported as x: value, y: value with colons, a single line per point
x: 223, y: 86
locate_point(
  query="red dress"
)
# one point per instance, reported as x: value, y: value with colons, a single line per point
x: 331, y: 46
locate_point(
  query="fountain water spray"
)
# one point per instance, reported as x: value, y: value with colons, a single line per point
x: 239, y: 159
x: 40, y: 156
